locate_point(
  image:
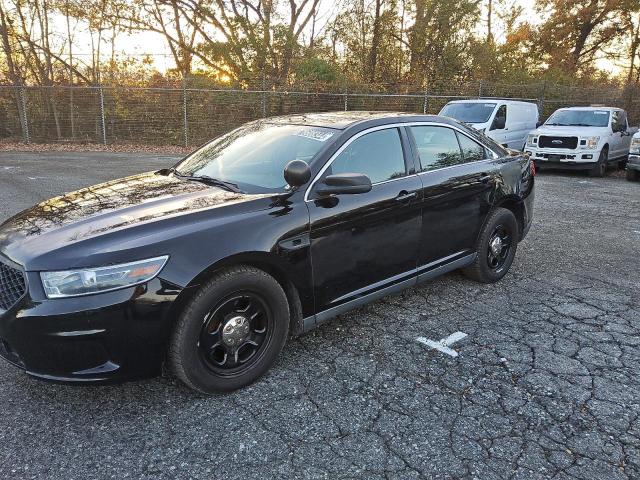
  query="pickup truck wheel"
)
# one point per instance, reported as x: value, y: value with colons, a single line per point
x: 496, y: 247
x: 633, y: 175
x: 600, y: 168
x: 230, y: 332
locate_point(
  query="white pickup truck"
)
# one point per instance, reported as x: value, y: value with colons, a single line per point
x: 581, y: 138
x: 633, y: 165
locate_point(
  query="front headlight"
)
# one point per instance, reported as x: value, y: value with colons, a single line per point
x: 635, y: 146
x: 85, y: 281
x: 532, y: 140
x: 592, y: 142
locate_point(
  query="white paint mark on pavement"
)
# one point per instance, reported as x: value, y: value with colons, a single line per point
x: 444, y: 344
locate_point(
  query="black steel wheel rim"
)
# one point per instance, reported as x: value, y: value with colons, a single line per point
x: 235, y: 333
x: 499, y: 247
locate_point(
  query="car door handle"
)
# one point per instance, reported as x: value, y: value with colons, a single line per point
x: 484, y: 178
x: 406, y: 197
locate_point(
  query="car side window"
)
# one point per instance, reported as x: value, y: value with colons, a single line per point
x: 377, y: 154
x: 472, y: 151
x: 437, y: 147
x: 500, y: 120
x: 618, y: 122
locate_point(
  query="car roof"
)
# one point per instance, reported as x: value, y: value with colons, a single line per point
x: 491, y: 100
x: 590, y: 107
x: 343, y: 120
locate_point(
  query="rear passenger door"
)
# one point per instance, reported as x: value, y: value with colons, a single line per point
x: 458, y: 175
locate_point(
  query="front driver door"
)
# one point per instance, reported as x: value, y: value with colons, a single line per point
x: 366, y: 243
x: 499, y: 130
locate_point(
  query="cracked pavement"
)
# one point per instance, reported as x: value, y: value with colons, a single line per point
x: 546, y: 384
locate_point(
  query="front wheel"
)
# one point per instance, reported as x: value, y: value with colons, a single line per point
x: 633, y: 175
x: 230, y: 332
x: 600, y: 168
x: 496, y: 247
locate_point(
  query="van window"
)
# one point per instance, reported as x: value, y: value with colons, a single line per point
x: 437, y: 147
x: 377, y: 154
x: 472, y: 151
x: 500, y: 120
x: 469, y: 112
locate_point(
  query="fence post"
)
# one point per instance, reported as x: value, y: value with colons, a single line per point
x: 346, y: 100
x: 103, y: 123
x: 541, y: 98
x: 23, y: 115
x: 184, y: 111
x: 480, y: 89
x: 264, y: 96
x: 425, y: 104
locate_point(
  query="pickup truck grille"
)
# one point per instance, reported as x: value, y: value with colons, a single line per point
x: 558, y: 142
x: 12, y: 286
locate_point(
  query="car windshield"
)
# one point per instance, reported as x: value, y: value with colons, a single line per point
x: 469, y: 112
x: 254, y: 155
x: 579, y: 118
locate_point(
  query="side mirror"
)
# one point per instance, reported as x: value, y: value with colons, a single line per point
x: 344, y: 183
x: 297, y: 173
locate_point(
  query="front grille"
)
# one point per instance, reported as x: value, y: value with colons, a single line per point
x: 12, y: 286
x: 558, y: 142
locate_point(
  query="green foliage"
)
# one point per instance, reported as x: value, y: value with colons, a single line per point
x: 317, y: 70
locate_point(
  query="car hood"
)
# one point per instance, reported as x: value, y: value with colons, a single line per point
x: 105, y: 209
x: 571, y: 131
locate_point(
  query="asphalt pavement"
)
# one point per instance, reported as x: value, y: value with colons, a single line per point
x: 545, y: 383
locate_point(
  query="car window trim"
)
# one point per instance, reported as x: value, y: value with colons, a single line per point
x: 398, y: 125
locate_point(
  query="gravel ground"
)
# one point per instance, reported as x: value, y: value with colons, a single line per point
x: 545, y: 386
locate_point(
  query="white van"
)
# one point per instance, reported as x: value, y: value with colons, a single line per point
x: 506, y: 121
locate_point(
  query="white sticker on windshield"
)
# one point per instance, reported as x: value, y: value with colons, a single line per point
x: 600, y: 112
x: 489, y: 104
x: 319, y: 134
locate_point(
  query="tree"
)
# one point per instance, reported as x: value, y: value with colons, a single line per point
x: 576, y: 31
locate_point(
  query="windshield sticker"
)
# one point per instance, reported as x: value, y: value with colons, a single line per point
x: 600, y: 112
x: 319, y: 134
x: 489, y: 104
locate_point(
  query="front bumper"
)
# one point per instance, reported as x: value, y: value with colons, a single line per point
x: 108, y: 337
x: 563, y: 158
x: 633, y: 163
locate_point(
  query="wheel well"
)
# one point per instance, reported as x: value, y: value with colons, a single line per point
x: 517, y: 209
x: 290, y: 290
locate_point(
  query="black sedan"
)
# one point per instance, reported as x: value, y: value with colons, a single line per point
x: 268, y: 230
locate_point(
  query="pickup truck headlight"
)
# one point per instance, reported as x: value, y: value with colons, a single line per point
x: 85, y: 281
x: 635, y: 146
x: 532, y: 140
x: 592, y: 142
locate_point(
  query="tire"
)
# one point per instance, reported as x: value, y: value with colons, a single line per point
x: 633, y: 175
x: 481, y: 270
x: 600, y: 168
x: 231, y: 332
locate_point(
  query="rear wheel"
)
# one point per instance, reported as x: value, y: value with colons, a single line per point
x: 600, y: 168
x: 231, y: 331
x: 496, y: 247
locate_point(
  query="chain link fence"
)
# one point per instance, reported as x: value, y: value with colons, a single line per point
x: 189, y: 116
